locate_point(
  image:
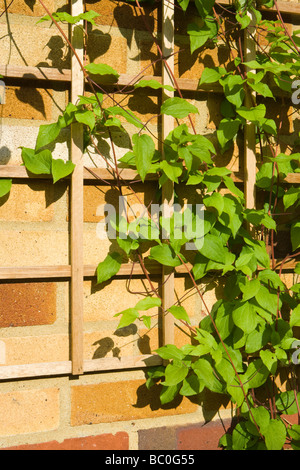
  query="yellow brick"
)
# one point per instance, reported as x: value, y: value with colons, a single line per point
x: 27, y: 103
x: 33, y: 248
x: 105, y: 49
x: 49, y: 50
x: 26, y: 203
x: 36, y: 349
x: 102, y: 303
x: 121, y: 401
x: 29, y: 411
x: 27, y: 8
x: 108, y: 344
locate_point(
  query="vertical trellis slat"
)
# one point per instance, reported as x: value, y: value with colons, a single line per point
x: 168, y: 188
x: 249, y: 132
x: 76, y: 200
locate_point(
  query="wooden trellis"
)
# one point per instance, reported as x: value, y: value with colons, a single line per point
x: 77, y: 271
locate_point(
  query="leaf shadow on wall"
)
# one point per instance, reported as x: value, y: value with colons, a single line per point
x: 59, y: 55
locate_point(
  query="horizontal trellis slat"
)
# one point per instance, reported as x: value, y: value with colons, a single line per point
x: 65, y: 367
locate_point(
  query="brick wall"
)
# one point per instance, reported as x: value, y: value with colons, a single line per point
x: 105, y: 410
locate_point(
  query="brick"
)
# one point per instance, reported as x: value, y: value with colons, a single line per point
x: 30, y: 8
x: 191, y: 66
x: 118, y: 441
x: 203, y: 436
x: 33, y: 248
x: 48, y: 51
x: 126, y: 16
x: 143, y: 106
x: 29, y: 411
x: 121, y: 401
x: 108, y: 50
x: 163, y: 438
x: 96, y: 197
x: 27, y: 304
x: 36, y: 349
x: 25, y: 102
x: 28, y: 203
x: 102, y: 303
x: 109, y: 344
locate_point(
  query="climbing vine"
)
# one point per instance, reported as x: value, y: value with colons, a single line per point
x: 244, y: 347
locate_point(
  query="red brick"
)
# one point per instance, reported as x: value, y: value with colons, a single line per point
x: 203, y: 436
x: 119, y: 441
x: 27, y: 304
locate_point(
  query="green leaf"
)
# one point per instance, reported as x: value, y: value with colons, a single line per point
x: 233, y: 188
x: 38, y: 163
x: 204, y: 7
x: 294, y: 432
x: 143, y: 150
x: 259, y: 217
x: 126, y: 114
x: 172, y: 170
x: 241, y: 438
x: 101, y: 69
x: 128, y: 316
x: 164, y: 254
x: 184, y: 4
x: 153, y: 84
x: 63, y: 16
x: 179, y: 313
x: 211, y: 75
x: 170, y: 351
x: 199, y: 35
x: 245, y: 317
x: 250, y: 289
x: 47, y: 134
x: 213, y: 249
x: 109, y: 267
x: 192, y: 385
x: 255, y: 114
x: 269, y: 359
x: 275, y: 435
x: 227, y: 131
x: 295, y: 316
x: 286, y: 402
x: 216, y: 200
x: 262, y: 88
x: 267, y: 300
x: 234, y: 89
x: 148, y: 302
x: 261, y: 416
x: 256, y: 374
x: 86, y: 117
x: 200, y: 266
x: 5, y: 187
x: 291, y: 197
x: 178, y: 108
x: 61, y: 169
x: 205, y: 372
x: 295, y: 236
x: 244, y: 20
x: 146, y: 320
x: 257, y: 339
x: 175, y: 373
x: 169, y: 393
